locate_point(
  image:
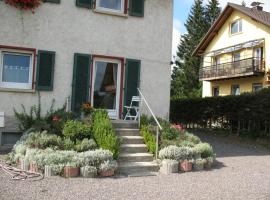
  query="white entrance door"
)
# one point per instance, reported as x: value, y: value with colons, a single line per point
x: 106, y: 85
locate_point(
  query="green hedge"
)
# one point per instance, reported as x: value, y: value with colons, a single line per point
x: 149, y: 139
x: 104, y: 133
x: 249, y: 111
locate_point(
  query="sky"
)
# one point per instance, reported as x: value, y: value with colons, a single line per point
x: 181, y: 11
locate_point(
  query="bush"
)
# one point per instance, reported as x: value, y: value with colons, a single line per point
x: 192, y: 138
x: 85, y: 145
x: 42, y: 140
x: 205, y: 150
x: 149, y: 139
x: 170, y: 134
x: 94, y: 158
x: 74, y: 129
x: 104, y: 133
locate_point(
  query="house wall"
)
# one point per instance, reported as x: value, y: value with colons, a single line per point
x: 252, y: 30
x: 67, y: 29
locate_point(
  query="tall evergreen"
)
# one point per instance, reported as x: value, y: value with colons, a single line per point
x: 185, y: 76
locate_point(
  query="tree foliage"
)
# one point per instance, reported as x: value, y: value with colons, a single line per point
x: 185, y: 76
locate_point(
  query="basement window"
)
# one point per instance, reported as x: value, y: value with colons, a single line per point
x: 236, y: 27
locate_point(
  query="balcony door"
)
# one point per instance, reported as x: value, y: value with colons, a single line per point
x: 258, y: 58
x: 106, y: 85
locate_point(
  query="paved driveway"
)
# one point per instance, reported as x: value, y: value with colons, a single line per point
x: 242, y: 172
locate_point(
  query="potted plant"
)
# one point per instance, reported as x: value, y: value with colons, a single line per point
x: 199, y: 164
x: 86, y: 109
x: 53, y: 170
x: 107, y: 168
x: 24, y: 4
x: 71, y: 170
x: 208, y: 163
x: 24, y: 164
x: 186, y: 165
x: 169, y: 166
x: 88, y: 171
x: 33, y: 167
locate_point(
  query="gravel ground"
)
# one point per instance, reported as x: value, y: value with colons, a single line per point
x: 242, y: 172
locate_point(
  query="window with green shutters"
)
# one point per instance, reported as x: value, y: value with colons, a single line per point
x: 84, y: 3
x: 45, y: 70
x: 81, y: 81
x: 132, y: 80
x: 136, y: 8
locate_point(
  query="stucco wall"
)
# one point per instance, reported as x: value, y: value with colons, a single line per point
x: 251, y: 30
x: 67, y: 29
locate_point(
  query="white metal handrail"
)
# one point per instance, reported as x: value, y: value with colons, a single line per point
x: 159, y: 128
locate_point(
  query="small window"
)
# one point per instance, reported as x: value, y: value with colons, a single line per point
x: 257, y: 87
x: 236, y: 27
x: 215, y: 91
x: 16, y: 70
x: 235, y: 90
x: 110, y: 5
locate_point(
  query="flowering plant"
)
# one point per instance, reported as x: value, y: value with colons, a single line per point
x: 24, y: 4
x: 179, y: 127
x: 87, y: 108
x: 56, y: 118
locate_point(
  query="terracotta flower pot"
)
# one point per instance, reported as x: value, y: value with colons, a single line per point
x: 70, y: 172
x: 33, y: 167
x: 18, y: 163
x: 107, y: 173
x: 185, y: 166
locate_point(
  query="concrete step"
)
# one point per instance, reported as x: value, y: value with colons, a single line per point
x: 127, y: 132
x: 135, y: 157
x: 133, y: 148
x: 137, y: 167
x: 125, y: 124
x: 132, y: 140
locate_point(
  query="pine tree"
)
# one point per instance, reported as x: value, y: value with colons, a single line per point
x: 212, y: 12
x: 185, y: 76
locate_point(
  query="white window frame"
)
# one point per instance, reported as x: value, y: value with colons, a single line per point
x: 113, y: 113
x: 238, y: 27
x: 14, y: 85
x: 108, y: 10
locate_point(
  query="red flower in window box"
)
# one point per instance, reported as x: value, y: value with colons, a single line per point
x: 24, y: 4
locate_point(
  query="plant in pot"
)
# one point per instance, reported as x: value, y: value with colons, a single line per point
x: 88, y: 171
x: 169, y: 166
x: 24, y: 4
x: 209, y: 163
x: 33, y: 167
x: 186, y: 165
x: 86, y: 110
x: 107, y: 168
x: 54, y: 170
x: 199, y: 164
x: 71, y: 170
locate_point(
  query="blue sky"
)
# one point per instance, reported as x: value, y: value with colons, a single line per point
x: 181, y: 11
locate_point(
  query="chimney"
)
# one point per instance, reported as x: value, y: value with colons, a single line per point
x: 257, y: 5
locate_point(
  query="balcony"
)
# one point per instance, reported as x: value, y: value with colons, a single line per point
x: 242, y: 68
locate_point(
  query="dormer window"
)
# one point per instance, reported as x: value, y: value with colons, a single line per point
x: 110, y: 5
x: 236, y: 27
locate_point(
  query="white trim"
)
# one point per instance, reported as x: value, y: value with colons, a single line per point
x: 113, y: 113
x: 14, y: 85
x: 238, y: 26
x: 108, y: 10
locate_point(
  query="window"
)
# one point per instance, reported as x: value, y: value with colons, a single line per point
x: 16, y: 70
x: 236, y: 56
x: 215, y: 91
x: 236, y: 27
x: 235, y: 90
x: 257, y: 87
x: 110, y: 5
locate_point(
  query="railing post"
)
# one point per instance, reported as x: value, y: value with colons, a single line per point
x: 157, y: 141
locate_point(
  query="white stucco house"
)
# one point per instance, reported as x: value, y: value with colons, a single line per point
x: 84, y: 51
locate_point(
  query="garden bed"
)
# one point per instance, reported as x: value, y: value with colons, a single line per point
x: 179, y: 149
x: 60, y: 144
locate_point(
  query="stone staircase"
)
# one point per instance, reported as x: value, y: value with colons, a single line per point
x: 134, y: 159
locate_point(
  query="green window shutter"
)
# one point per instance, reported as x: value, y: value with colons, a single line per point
x: 45, y: 70
x: 81, y: 81
x: 132, y: 80
x: 52, y: 1
x: 84, y: 3
x: 136, y: 8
